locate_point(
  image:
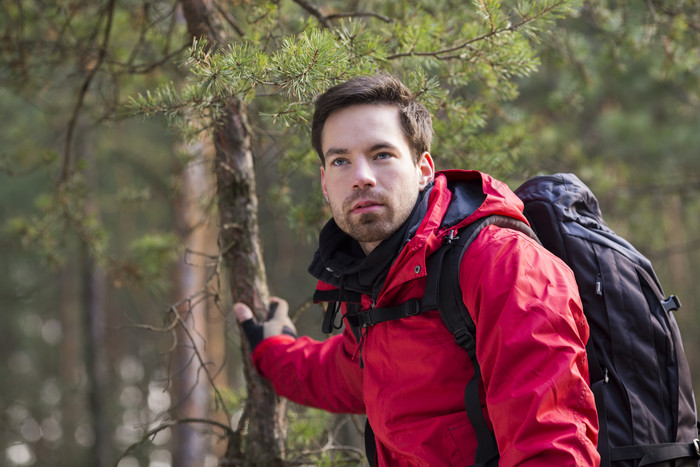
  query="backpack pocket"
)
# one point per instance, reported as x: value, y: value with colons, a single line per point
x: 635, y: 352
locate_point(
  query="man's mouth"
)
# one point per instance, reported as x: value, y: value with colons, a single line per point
x: 364, y: 206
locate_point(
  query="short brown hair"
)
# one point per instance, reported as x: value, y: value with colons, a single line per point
x: 379, y: 89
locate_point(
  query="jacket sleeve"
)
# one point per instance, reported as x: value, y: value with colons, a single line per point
x: 531, y: 335
x: 321, y: 374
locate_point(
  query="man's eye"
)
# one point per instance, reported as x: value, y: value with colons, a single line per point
x: 338, y: 162
x: 383, y: 155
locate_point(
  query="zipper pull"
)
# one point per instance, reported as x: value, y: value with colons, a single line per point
x: 599, y: 285
x: 451, y: 236
x: 363, y: 333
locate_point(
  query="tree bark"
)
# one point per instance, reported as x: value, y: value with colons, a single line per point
x: 242, y: 254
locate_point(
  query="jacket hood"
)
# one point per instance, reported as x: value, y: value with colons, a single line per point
x: 471, y: 196
x: 458, y: 198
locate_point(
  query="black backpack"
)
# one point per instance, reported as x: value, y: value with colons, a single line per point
x: 639, y: 374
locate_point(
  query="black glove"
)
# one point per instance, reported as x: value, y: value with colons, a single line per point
x: 277, y: 322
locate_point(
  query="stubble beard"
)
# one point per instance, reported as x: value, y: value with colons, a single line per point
x: 374, y: 227
x: 367, y: 228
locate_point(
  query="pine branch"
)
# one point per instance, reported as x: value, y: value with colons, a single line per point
x: 671, y: 13
x: 492, y: 22
x: 492, y: 33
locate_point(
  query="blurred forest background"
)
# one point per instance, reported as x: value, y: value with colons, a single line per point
x: 146, y: 182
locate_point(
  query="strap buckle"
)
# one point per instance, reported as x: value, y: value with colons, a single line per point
x: 366, y: 319
x: 465, y: 339
x: 670, y: 304
x: 413, y: 309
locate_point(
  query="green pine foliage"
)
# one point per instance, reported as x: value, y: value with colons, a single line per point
x: 463, y: 61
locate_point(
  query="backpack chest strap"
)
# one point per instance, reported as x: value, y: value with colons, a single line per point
x: 380, y: 315
x: 412, y: 306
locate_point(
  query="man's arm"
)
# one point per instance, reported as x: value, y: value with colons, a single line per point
x: 531, y: 336
x: 321, y: 374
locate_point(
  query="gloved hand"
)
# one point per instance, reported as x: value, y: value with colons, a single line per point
x: 277, y: 322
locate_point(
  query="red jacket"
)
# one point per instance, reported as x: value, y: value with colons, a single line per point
x: 531, y: 336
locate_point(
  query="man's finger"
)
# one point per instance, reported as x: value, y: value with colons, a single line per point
x: 243, y: 313
x: 278, y: 305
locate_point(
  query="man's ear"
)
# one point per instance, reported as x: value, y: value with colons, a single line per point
x: 427, y: 170
x: 323, y: 183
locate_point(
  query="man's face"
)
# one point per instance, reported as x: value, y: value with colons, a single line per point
x: 369, y: 177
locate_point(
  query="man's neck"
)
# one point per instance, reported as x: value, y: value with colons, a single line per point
x: 368, y: 247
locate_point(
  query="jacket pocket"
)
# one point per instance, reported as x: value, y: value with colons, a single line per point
x: 459, y: 440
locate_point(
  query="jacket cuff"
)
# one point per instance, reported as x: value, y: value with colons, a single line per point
x: 262, y: 347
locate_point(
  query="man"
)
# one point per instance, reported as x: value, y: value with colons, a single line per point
x: 391, y: 211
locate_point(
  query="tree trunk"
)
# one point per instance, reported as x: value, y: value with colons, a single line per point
x: 190, y: 385
x: 94, y: 286
x: 94, y: 283
x: 70, y: 350
x: 679, y: 259
x: 242, y: 255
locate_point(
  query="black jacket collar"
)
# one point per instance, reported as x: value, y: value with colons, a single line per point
x: 340, y: 261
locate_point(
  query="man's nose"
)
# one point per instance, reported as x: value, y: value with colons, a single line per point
x: 363, y: 175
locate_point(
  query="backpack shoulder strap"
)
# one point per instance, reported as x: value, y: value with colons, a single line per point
x: 443, y: 292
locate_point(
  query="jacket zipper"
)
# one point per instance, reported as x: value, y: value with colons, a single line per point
x: 599, y: 292
x: 363, y: 334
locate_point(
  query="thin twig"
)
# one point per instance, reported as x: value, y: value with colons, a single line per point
x: 202, y: 364
x: 228, y: 432
x: 65, y: 169
x: 314, y: 11
x: 229, y: 19
x: 359, y: 14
